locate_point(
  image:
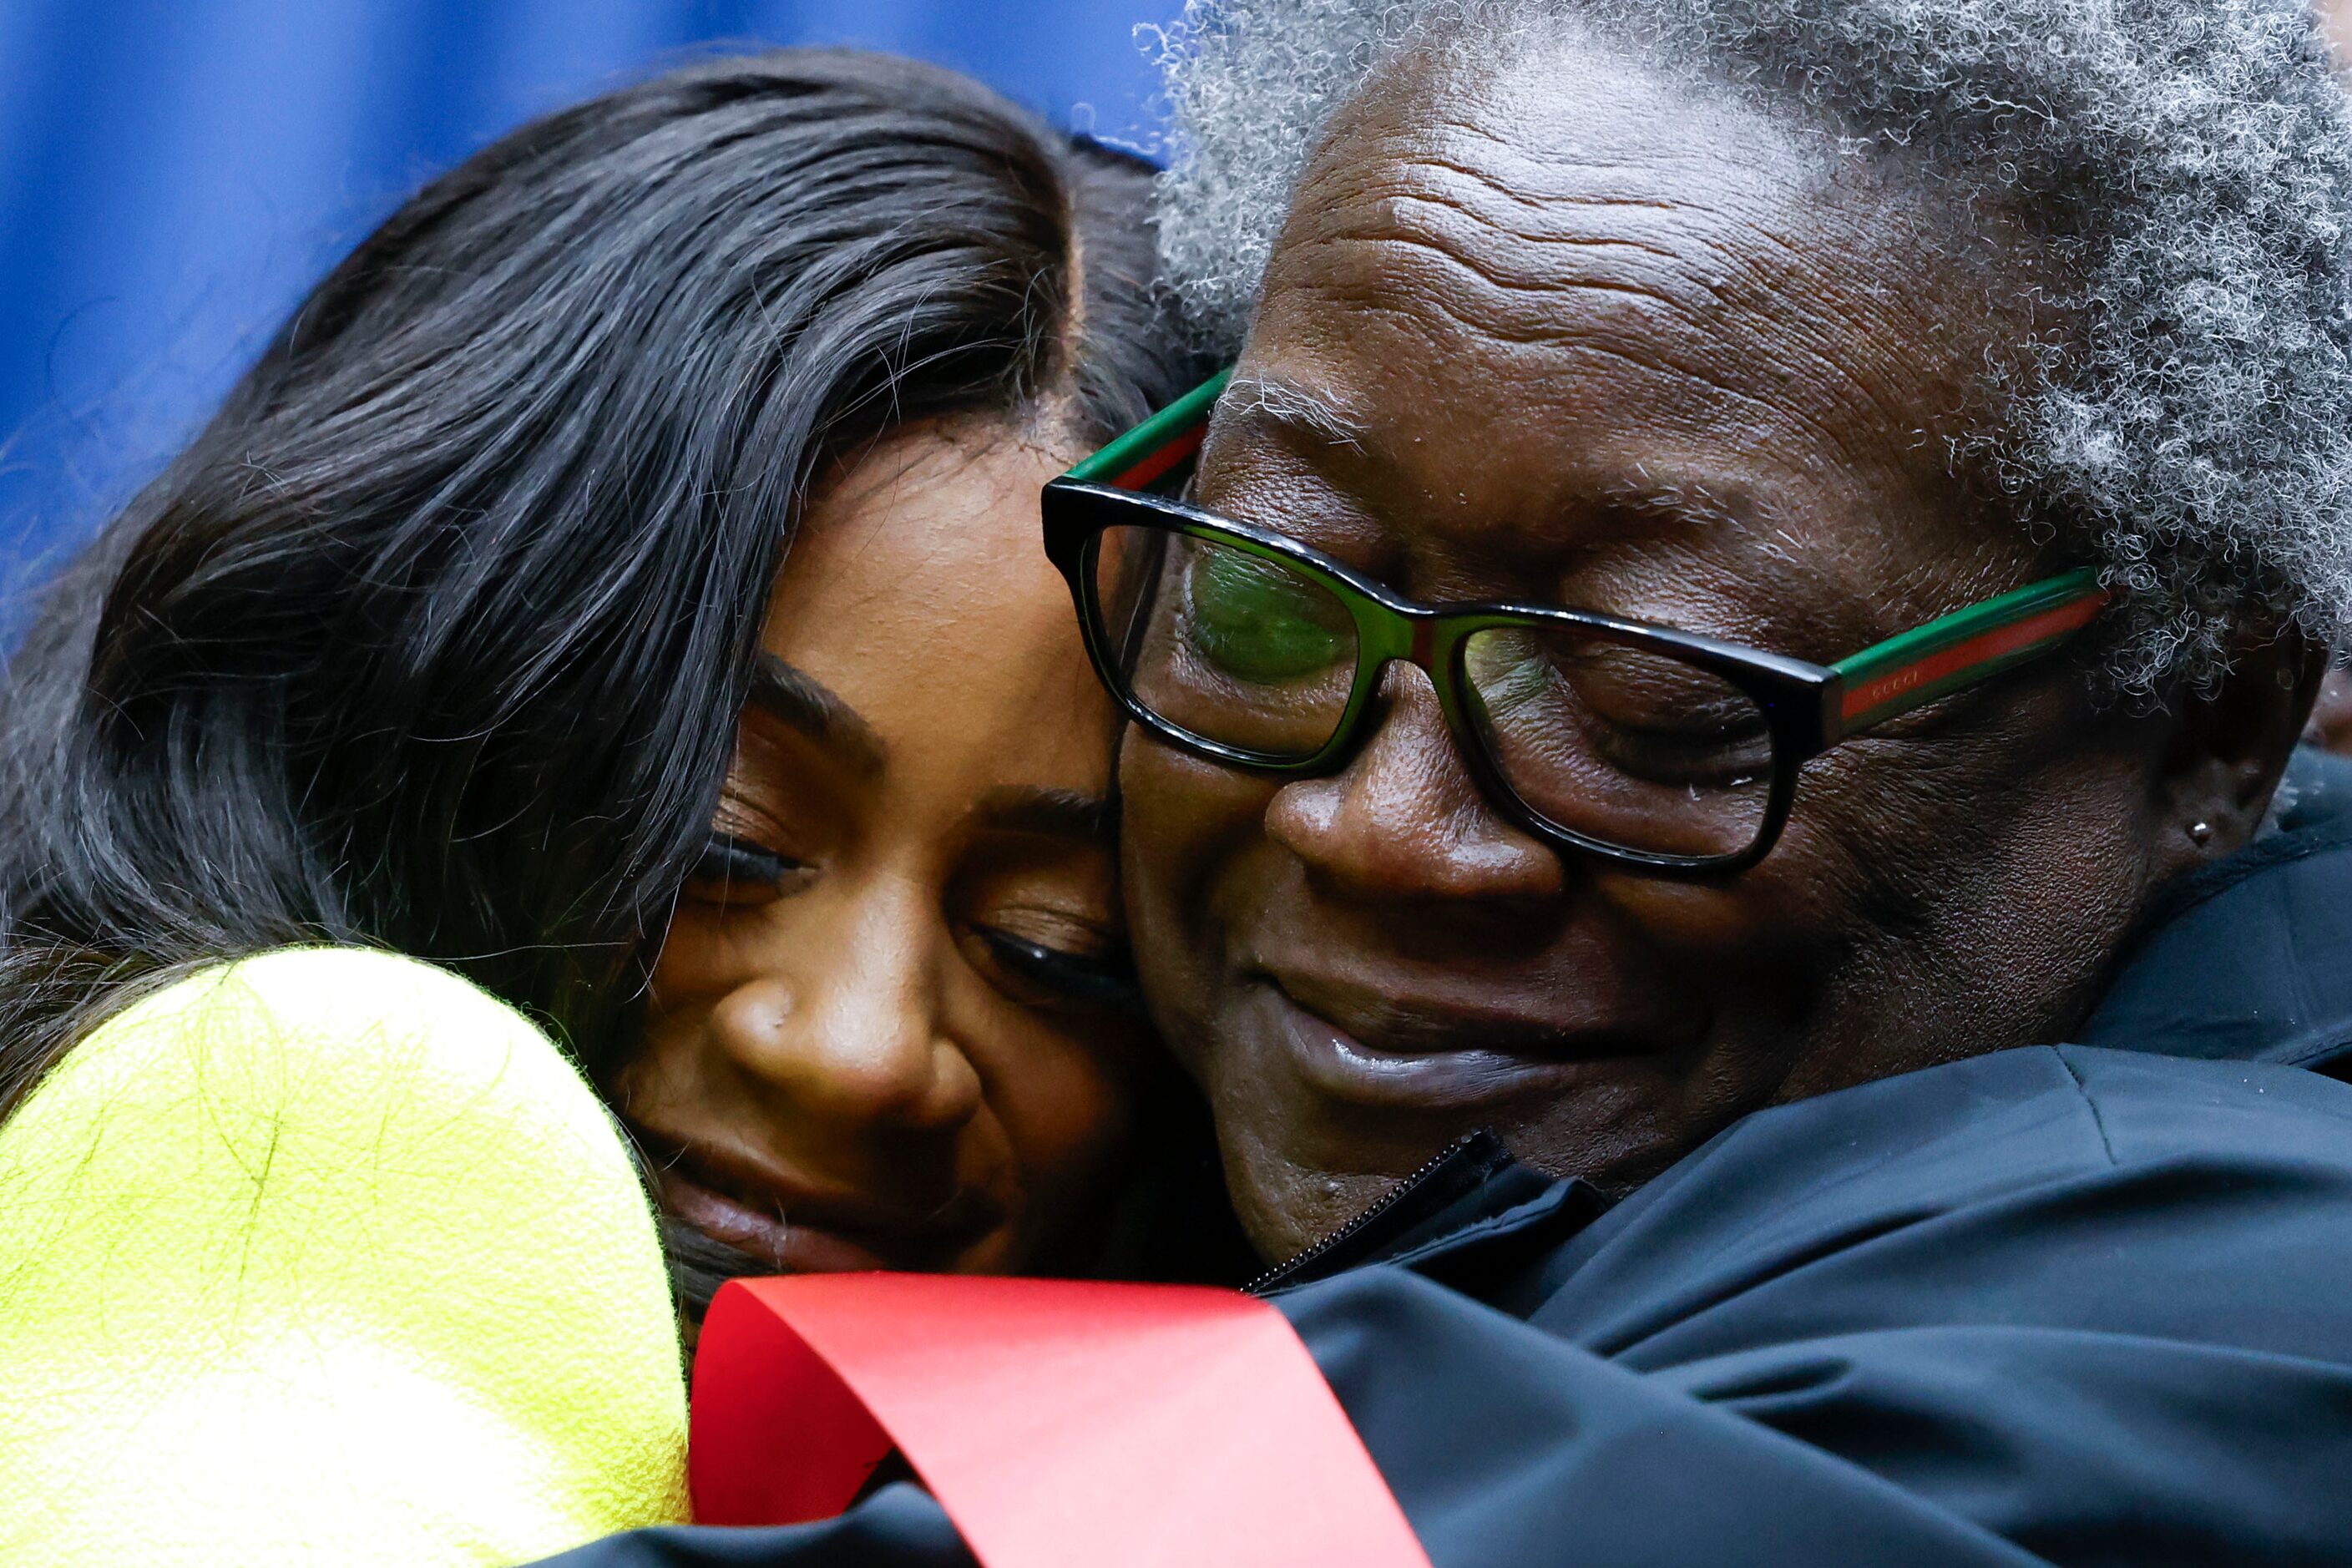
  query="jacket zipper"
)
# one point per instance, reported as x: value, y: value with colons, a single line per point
x: 1395, y: 1195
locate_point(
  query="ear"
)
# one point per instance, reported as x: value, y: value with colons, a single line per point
x: 2230, y: 744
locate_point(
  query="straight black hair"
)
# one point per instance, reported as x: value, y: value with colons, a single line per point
x: 436, y: 638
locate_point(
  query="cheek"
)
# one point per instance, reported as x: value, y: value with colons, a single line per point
x: 697, y: 957
x: 660, y: 1074
x: 1911, y: 876
x: 1967, y: 887
x: 691, y: 974
x: 1994, y: 819
x: 1066, y: 1101
x: 1187, y: 827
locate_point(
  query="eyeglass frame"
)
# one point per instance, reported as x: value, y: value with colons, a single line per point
x: 1808, y: 708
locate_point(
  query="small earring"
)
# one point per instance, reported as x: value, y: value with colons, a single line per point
x: 2199, y: 832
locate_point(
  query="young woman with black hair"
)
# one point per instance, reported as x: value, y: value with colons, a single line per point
x: 616, y: 585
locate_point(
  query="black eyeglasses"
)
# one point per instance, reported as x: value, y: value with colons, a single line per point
x: 1645, y: 745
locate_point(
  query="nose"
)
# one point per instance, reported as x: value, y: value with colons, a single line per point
x: 850, y: 1037
x: 1405, y: 819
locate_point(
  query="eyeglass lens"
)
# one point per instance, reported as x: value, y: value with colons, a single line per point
x: 1620, y: 744
x: 1227, y: 645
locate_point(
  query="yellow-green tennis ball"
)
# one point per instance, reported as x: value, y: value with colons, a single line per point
x: 327, y: 1257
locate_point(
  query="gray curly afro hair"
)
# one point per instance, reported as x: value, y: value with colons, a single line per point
x: 2194, y: 156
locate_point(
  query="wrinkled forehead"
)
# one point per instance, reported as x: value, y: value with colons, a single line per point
x: 1545, y: 255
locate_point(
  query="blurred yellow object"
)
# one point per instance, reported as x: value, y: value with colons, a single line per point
x: 327, y: 1257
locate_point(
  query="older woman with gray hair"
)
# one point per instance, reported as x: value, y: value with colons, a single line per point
x: 1705, y: 794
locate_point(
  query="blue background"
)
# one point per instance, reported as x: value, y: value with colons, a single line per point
x: 174, y: 173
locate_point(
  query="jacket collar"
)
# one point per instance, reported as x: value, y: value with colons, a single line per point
x: 1472, y: 1219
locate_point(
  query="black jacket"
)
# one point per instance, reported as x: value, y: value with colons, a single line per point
x: 2076, y: 1304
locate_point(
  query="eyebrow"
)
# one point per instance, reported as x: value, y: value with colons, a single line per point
x: 1326, y: 417
x: 1281, y: 401
x: 793, y: 697
x: 1692, y: 501
x: 1060, y: 813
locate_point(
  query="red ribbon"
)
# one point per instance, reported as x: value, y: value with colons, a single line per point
x: 1061, y: 1424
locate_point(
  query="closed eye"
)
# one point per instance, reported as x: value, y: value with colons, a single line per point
x: 732, y: 869
x: 1093, y: 981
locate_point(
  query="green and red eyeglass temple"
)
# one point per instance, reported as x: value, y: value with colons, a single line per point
x: 1882, y: 680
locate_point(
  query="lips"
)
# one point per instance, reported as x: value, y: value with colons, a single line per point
x: 797, y: 1227
x: 1443, y: 1050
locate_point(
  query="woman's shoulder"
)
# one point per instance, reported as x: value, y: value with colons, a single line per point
x: 327, y: 1245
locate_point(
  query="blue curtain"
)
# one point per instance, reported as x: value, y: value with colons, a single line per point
x: 174, y: 173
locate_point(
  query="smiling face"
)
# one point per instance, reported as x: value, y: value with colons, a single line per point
x: 890, y: 1025
x: 1548, y: 330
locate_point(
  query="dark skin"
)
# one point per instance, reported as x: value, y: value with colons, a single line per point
x: 1576, y: 337
x: 887, y: 1026
x: 2331, y: 716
